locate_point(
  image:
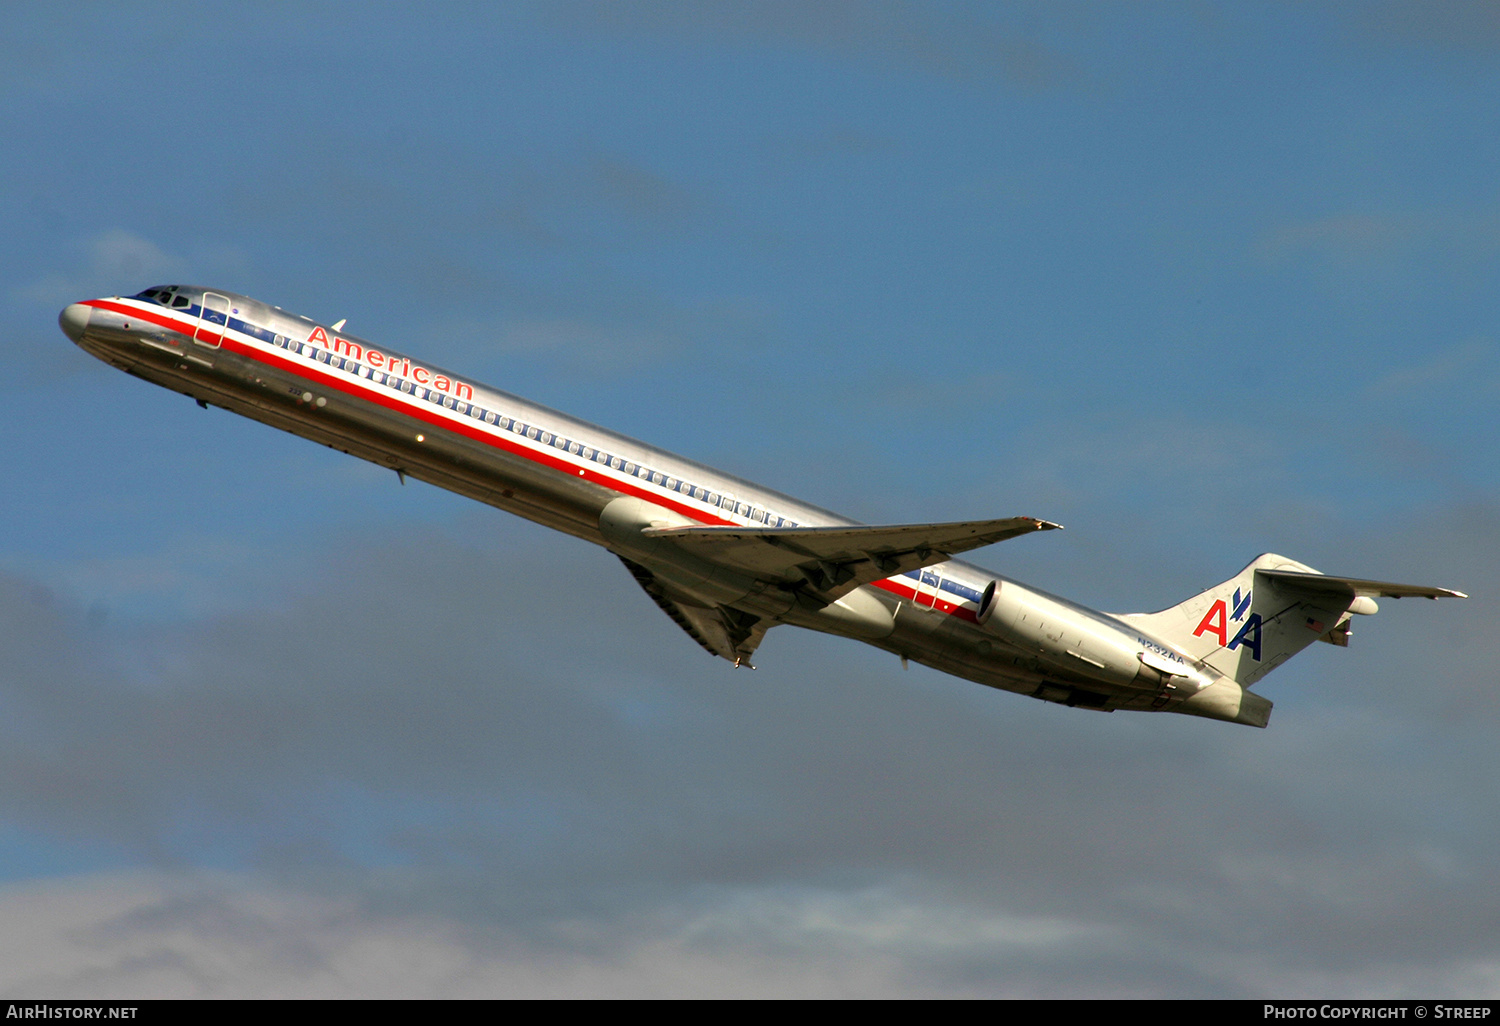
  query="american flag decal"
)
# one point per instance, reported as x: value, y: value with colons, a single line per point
x: 1315, y: 625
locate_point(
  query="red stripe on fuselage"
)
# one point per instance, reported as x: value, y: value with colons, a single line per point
x: 377, y: 395
x: 895, y: 586
x: 414, y: 408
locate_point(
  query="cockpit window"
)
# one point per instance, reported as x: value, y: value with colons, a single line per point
x: 162, y: 294
x: 181, y: 301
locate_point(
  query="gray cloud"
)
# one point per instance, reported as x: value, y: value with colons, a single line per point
x: 497, y: 753
x: 1454, y: 27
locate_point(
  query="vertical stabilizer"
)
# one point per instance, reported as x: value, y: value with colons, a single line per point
x: 1254, y: 622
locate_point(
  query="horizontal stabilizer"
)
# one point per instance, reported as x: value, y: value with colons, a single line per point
x: 835, y: 560
x: 1355, y: 586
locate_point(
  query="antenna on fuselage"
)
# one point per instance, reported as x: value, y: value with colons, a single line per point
x: 338, y: 325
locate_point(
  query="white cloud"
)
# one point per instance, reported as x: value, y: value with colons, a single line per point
x: 201, y: 935
x: 1365, y: 239
x: 114, y: 260
x: 198, y: 936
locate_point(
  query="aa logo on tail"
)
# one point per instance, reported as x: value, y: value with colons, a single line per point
x: 1216, y: 622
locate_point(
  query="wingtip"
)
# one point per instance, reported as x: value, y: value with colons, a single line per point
x: 1047, y: 525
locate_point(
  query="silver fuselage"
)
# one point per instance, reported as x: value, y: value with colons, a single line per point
x: 424, y: 422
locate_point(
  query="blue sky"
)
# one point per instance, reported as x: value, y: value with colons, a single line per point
x: 1196, y: 281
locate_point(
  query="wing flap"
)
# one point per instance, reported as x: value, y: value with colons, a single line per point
x: 727, y: 633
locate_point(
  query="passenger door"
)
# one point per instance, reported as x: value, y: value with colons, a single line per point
x: 213, y: 319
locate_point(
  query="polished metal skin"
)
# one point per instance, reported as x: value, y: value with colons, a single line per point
x: 724, y: 558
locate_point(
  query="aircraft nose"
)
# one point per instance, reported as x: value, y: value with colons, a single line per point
x: 74, y: 320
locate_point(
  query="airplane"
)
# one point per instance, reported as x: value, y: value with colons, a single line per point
x: 726, y: 559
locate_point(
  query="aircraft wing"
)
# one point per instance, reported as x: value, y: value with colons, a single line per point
x: 836, y: 560
x: 1356, y: 585
x: 722, y: 632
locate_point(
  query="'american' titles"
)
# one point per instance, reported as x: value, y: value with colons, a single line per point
x: 397, y: 365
